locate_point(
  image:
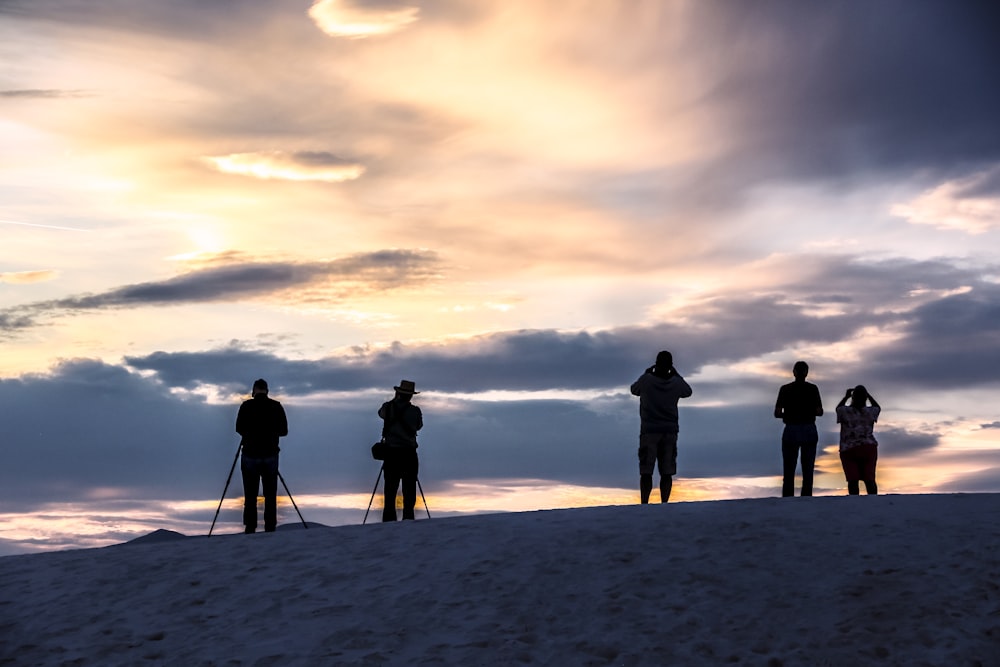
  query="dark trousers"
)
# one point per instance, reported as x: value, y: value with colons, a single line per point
x: 798, y: 439
x: 260, y: 472
x: 859, y: 465
x: 400, y: 465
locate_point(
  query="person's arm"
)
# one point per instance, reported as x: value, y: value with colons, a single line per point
x: 636, y: 389
x: 779, y: 407
x: 843, y: 401
x: 685, y: 387
x: 819, y: 404
x: 414, y: 418
x: 240, y: 421
x: 874, y: 402
x: 282, y: 422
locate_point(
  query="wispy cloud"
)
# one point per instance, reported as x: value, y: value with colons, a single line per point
x: 299, y: 166
x: 42, y: 226
x: 39, y: 93
x: 354, y: 20
x: 970, y: 204
x: 364, y: 272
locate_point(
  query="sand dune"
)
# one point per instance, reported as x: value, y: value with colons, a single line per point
x: 832, y: 581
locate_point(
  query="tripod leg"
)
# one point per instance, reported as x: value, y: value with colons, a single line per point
x: 304, y: 524
x: 419, y: 486
x: 228, y: 479
x: 372, y: 499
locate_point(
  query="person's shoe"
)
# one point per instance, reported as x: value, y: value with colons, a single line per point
x: 249, y: 531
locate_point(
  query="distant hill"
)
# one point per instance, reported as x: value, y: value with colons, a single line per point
x: 161, y: 535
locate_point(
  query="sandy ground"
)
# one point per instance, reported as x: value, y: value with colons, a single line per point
x: 832, y: 581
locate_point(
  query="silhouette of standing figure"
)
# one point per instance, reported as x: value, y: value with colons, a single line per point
x: 798, y: 405
x: 261, y: 421
x: 858, y: 447
x: 658, y: 388
x: 401, y: 421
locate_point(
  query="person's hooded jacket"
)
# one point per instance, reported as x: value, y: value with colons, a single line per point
x: 658, y: 398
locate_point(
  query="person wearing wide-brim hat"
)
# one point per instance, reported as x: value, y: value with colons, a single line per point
x: 401, y: 421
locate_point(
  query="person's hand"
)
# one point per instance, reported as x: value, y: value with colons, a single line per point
x: 651, y: 368
x: 850, y: 392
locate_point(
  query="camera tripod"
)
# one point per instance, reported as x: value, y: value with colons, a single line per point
x: 375, y: 488
x: 226, y: 488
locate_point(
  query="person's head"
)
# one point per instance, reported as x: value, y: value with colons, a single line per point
x: 259, y: 387
x: 406, y: 390
x: 800, y: 370
x: 664, y: 361
x: 859, y: 396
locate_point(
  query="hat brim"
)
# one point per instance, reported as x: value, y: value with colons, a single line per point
x: 406, y: 391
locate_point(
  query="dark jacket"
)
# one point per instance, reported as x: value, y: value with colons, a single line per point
x: 261, y: 421
x: 401, y: 421
x: 658, y: 398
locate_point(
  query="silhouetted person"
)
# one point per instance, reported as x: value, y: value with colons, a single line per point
x: 798, y: 405
x: 401, y: 421
x: 261, y: 421
x: 658, y: 389
x: 858, y: 447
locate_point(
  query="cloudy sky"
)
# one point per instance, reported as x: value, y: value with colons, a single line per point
x: 515, y: 205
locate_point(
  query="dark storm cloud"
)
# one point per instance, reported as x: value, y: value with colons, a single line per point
x: 986, y: 184
x: 528, y: 360
x: 951, y: 342
x: 89, y: 429
x: 983, y: 481
x: 838, y: 94
x: 365, y: 272
x: 180, y: 19
x: 519, y: 360
x: 88, y: 426
x: 902, y: 441
x: 722, y: 330
x: 854, y: 86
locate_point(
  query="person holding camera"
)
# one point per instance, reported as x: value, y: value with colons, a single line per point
x: 858, y: 447
x: 659, y: 389
x: 400, y: 422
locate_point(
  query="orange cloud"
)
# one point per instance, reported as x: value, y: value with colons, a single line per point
x: 27, y: 277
